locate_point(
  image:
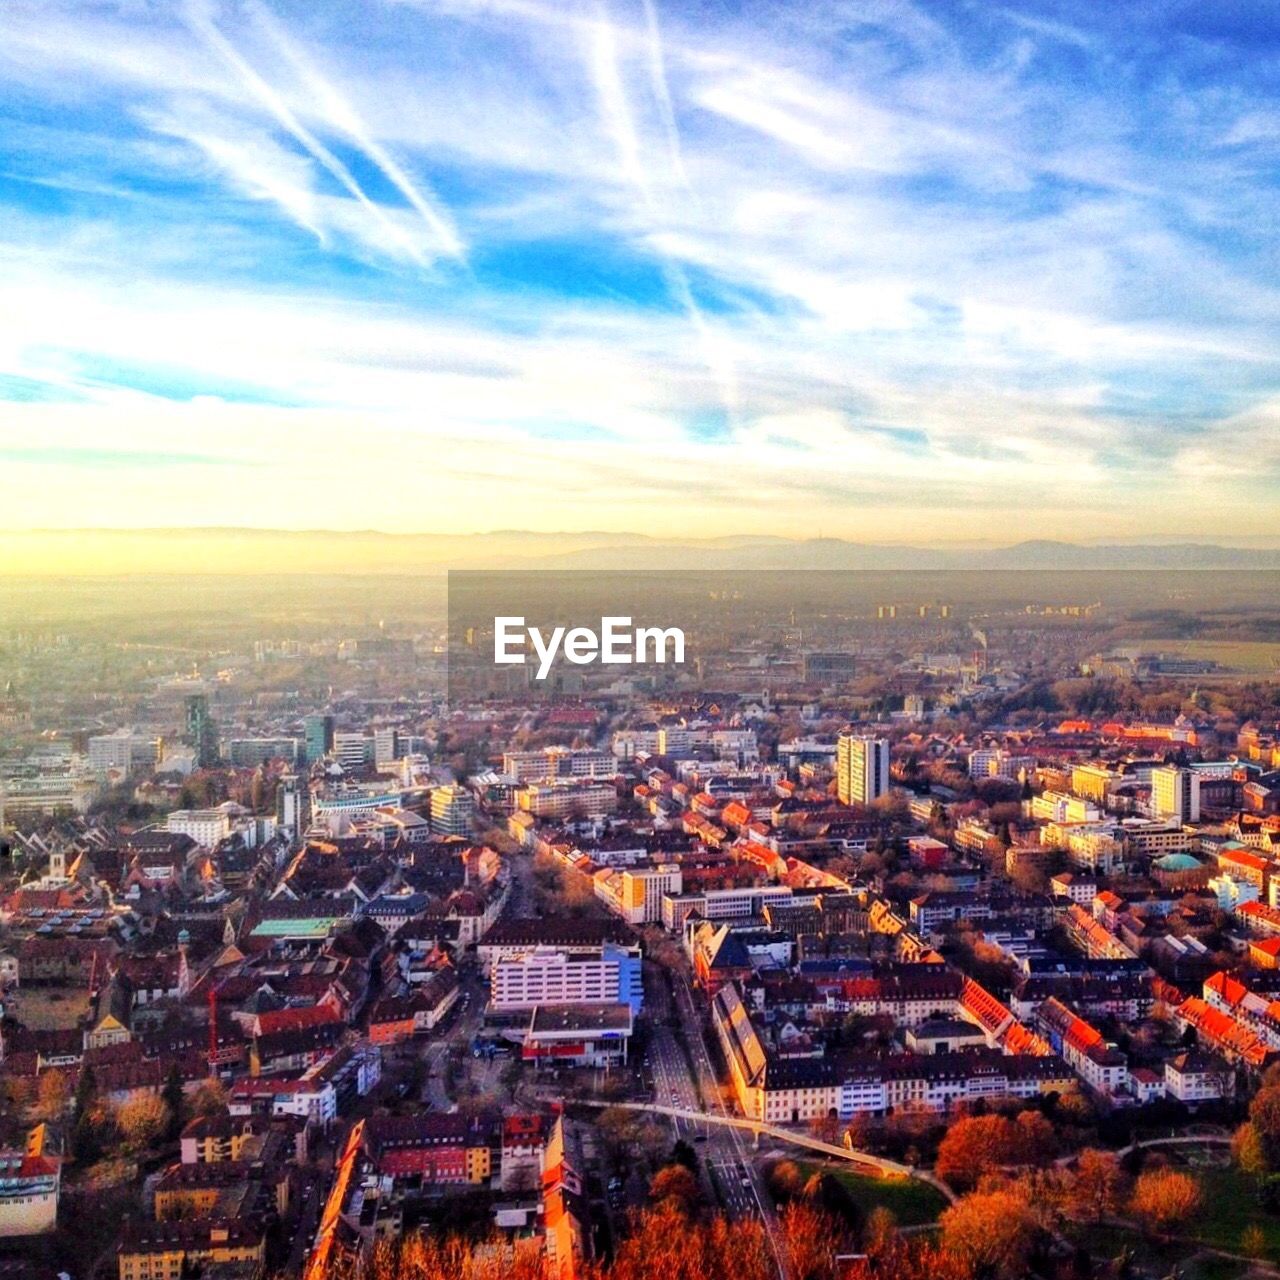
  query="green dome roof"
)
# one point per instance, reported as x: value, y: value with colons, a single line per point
x: 1177, y: 862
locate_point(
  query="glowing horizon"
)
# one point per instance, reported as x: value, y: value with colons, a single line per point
x: 923, y: 275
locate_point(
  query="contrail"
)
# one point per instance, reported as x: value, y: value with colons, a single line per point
x: 344, y: 116
x: 616, y: 110
x: 204, y: 28
x: 662, y: 91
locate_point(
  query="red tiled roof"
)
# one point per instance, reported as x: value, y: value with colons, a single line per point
x: 277, y: 1020
x: 1224, y: 1031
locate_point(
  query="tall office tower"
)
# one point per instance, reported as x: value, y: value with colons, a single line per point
x: 386, y: 747
x: 453, y: 811
x: 293, y: 805
x: 1175, y: 793
x: 202, y: 731
x: 862, y: 768
x: 317, y: 732
x: 353, y: 750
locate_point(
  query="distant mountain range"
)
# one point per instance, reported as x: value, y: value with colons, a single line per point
x: 835, y: 553
x: 324, y: 551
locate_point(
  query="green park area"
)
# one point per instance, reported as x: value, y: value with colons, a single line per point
x: 912, y: 1203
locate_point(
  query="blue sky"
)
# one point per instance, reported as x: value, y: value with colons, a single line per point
x: 891, y: 272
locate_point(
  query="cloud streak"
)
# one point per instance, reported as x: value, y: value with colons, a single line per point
x: 196, y: 14
x: 620, y: 124
x: 342, y: 115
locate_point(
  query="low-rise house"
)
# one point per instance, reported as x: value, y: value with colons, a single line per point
x: 172, y: 1250
x: 1100, y: 1065
x: 420, y: 1010
x: 433, y: 1148
x: 30, y: 1183
x: 1196, y: 1076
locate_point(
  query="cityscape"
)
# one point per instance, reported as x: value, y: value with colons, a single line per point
x: 639, y: 640
x: 923, y: 925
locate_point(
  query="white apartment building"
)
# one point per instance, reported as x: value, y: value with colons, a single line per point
x: 207, y: 827
x: 738, y: 745
x: 1175, y: 794
x: 677, y: 740
x: 1144, y: 838
x: 995, y: 762
x: 353, y: 750
x: 1233, y: 891
x: 337, y: 810
x: 30, y: 1182
x: 780, y: 1092
x: 862, y: 768
x: 1093, y: 781
x: 453, y: 810
x: 386, y: 748
x: 552, y: 976
x: 1057, y: 806
x: 558, y: 763
x: 1196, y: 1076
x: 629, y: 743
x: 1090, y: 846
x: 722, y: 904
x: 22, y: 799
x: 122, y: 752
x: 568, y: 799
x: 636, y: 893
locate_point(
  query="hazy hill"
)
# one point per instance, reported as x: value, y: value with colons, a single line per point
x: 145, y: 551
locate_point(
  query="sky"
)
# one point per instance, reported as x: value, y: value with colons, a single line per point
x: 916, y: 273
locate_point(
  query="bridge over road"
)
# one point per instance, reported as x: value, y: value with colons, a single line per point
x: 878, y: 1164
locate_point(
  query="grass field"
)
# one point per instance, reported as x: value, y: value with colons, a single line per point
x: 1229, y: 1207
x: 912, y: 1203
x: 1248, y: 656
x: 50, y: 1008
x: 1153, y: 1258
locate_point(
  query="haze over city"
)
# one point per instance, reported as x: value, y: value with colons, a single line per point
x: 881, y: 272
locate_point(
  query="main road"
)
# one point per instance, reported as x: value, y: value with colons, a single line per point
x: 688, y: 1093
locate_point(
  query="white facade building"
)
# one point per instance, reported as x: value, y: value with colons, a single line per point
x: 862, y: 768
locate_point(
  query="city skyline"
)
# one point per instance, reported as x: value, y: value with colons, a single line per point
x: 891, y: 275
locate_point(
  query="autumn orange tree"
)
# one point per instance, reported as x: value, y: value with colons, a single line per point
x: 785, y: 1179
x: 812, y: 1241
x: 664, y: 1245
x: 675, y: 1186
x: 52, y: 1094
x: 1098, y: 1185
x: 423, y: 1257
x: 979, y: 1143
x: 1165, y: 1199
x: 1248, y: 1150
x: 141, y: 1120
x: 1264, y: 1125
x: 993, y: 1232
x: 895, y: 1257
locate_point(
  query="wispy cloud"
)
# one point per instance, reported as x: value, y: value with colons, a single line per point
x: 109, y: 459
x: 250, y: 157
x: 619, y: 121
x: 343, y: 116
x: 198, y: 17
x: 662, y: 92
